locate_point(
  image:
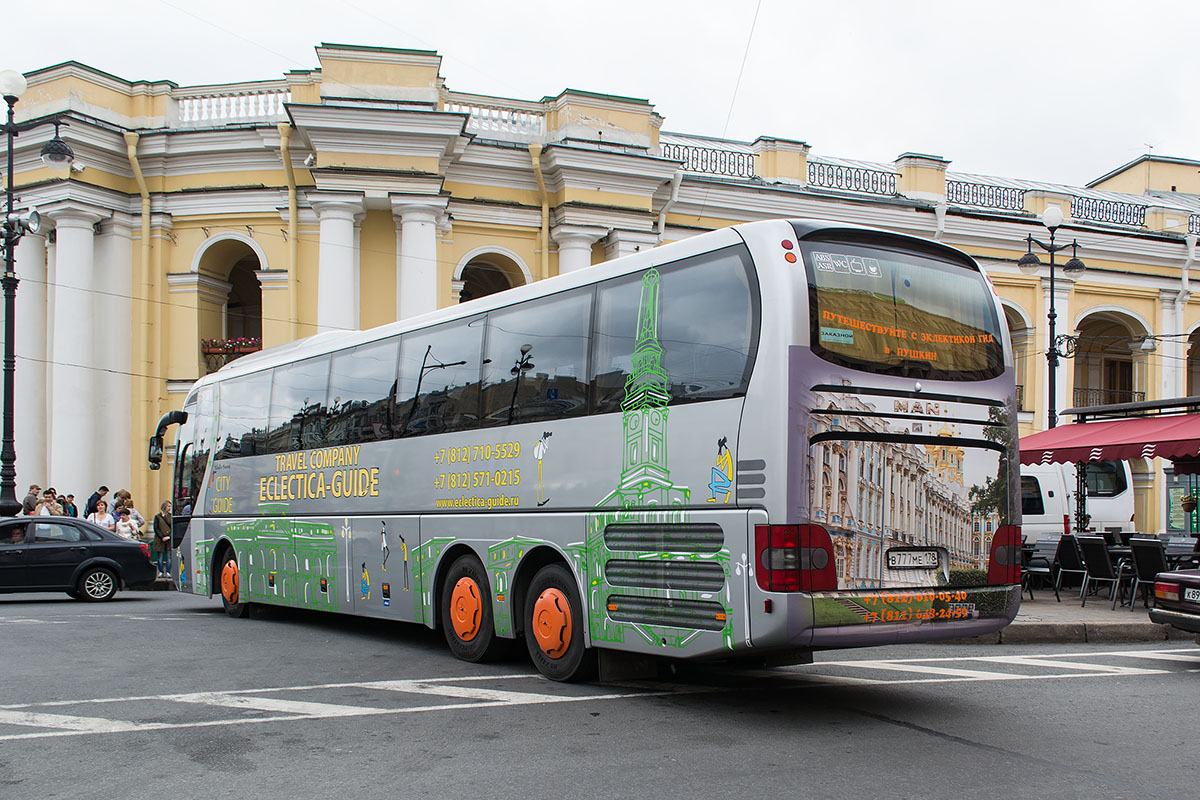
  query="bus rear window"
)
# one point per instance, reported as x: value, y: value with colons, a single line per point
x: 900, y: 313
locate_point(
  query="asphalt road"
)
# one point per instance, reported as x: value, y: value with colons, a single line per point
x: 161, y: 695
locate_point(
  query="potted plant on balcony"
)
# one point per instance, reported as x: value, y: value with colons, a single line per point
x: 245, y: 344
x: 212, y: 347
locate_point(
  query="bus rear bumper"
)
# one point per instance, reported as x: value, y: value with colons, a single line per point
x: 900, y: 617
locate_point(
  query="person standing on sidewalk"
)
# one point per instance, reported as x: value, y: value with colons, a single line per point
x: 162, y: 539
x: 92, y: 501
x: 31, y: 500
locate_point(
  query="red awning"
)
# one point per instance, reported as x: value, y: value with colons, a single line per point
x: 1172, y: 437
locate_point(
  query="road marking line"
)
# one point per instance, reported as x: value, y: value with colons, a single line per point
x: 267, y: 690
x: 1165, y: 655
x: 308, y: 709
x: 464, y: 692
x: 1056, y: 663
x: 133, y: 726
x: 930, y: 670
x: 67, y: 722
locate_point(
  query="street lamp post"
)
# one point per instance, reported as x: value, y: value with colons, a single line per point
x: 1056, y: 346
x: 55, y: 153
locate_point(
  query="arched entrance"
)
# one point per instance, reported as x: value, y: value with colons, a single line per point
x: 485, y: 272
x: 229, y: 263
x: 1022, y: 334
x: 1111, y: 357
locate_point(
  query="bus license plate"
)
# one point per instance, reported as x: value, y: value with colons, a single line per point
x: 913, y: 559
x: 1191, y: 595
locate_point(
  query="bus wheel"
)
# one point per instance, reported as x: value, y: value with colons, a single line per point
x: 467, y: 611
x: 554, y: 626
x: 231, y: 588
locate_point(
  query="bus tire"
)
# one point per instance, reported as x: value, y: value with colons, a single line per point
x: 554, y: 626
x: 466, y: 606
x: 231, y: 587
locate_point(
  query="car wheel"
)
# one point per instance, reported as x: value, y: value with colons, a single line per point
x: 97, y: 585
x: 554, y: 626
x: 467, y: 611
x: 231, y: 587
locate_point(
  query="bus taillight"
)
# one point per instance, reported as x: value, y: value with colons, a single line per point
x: 1004, y: 566
x: 793, y: 558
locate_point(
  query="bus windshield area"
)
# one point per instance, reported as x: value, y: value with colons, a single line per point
x: 901, y: 313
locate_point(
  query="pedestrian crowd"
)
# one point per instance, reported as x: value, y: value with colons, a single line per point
x: 122, y: 518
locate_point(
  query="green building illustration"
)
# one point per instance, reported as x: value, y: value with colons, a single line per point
x: 286, y: 561
x: 645, y: 493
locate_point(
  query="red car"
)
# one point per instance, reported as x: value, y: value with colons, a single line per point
x: 43, y: 554
x: 1177, y: 599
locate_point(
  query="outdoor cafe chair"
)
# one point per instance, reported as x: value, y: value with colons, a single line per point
x: 1149, y: 559
x: 1181, y: 551
x: 1041, y: 566
x: 1070, y: 561
x: 1099, y: 567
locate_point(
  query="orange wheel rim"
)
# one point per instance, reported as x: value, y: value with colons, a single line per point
x: 466, y: 609
x: 229, y: 582
x: 552, y: 623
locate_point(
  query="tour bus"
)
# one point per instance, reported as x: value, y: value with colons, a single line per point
x: 760, y: 442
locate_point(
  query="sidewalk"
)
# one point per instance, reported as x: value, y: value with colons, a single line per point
x: 1044, y: 620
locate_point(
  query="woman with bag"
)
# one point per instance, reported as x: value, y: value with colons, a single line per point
x: 162, y: 539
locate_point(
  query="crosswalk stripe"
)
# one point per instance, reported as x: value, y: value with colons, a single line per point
x: 1058, y: 663
x: 925, y: 669
x: 68, y: 722
x: 465, y: 692
x: 250, y: 703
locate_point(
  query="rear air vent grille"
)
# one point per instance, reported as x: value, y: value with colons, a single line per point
x: 697, y: 576
x: 693, y: 614
x: 668, y: 537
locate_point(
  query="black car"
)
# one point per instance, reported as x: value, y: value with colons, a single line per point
x: 1177, y: 600
x: 39, y: 554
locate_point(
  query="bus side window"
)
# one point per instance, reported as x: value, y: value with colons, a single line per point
x: 536, y: 364
x: 362, y: 388
x: 297, y: 415
x: 706, y: 323
x: 438, y: 387
x: 243, y: 417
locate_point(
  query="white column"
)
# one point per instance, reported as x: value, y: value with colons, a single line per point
x: 336, y: 280
x: 74, y: 444
x: 416, y: 281
x: 1172, y: 348
x: 112, y: 339
x: 30, y: 420
x: 623, y: 243
x: 575, y: 246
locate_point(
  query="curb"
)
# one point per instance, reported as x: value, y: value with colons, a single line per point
x: 153, y: 586
x: 1078, y: 633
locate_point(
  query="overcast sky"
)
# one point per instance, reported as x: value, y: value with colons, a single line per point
x: 1053, y: 90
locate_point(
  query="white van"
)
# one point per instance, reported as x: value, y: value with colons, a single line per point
x: 1048, y: 498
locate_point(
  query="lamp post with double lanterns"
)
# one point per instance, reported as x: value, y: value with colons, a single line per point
x: 55, y: 153
x: 1056, y: 346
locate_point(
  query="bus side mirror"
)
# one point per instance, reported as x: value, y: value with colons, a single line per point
x: 156, y: 452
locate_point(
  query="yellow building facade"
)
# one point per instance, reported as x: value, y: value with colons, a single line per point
x: 201, y: 220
